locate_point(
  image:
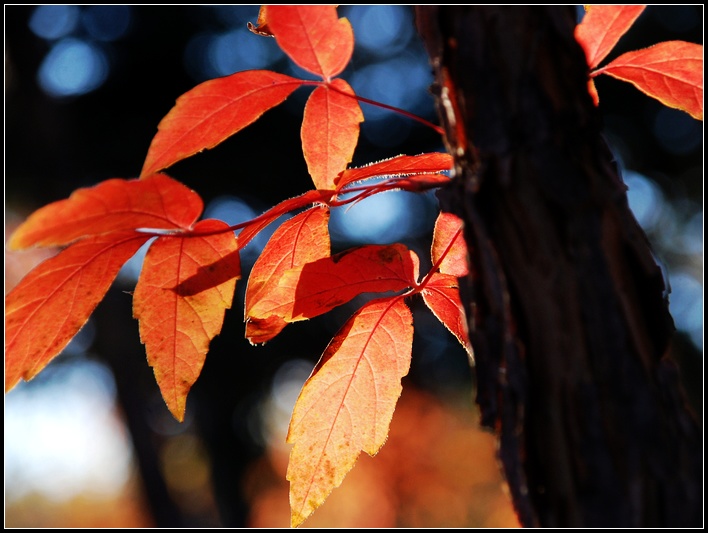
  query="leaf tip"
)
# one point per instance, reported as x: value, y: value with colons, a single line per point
x: 176, y: 401
x: 10, y: 382
x: 178, y: 412
x: 296, y: 519
x: 261, y: 330
x: 14, y: 243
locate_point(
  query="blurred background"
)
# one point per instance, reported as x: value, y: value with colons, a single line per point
x: 90, y: 443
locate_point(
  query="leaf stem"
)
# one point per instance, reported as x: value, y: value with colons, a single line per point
x: 307, y: 198
x: 438, y: 129
x: 437, y: 264
x: 376, y: 103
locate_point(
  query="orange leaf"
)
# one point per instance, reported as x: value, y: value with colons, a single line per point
x: 347, y: 403
x: 302, y: 239
x: 602, y: 27
x: 53, y: 302
x: 319, y: 286
x: 330, y: 131
x: 213, y: 111
x: 261, y: 222
x: 176, y: 326
x: 113, y: 205
x: 398, y: 166
x: 261, y: 330
x: 449, y: 250
x: 419, y: 182
x: 442, y: 295
x: 671, y: 72
x: 313, y: 37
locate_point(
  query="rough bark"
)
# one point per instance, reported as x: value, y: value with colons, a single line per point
x: 567, y: 308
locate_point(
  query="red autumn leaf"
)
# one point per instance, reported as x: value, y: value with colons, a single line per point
x: 261, y: 222
x: 441, y: 288
x: 347, y: 404
x: 602, y: 27
x: 177, y: 326
x: 313, y: 37
x: 261, y: 330
x: 53, y: 302
x: 113, y: 205
x: 319, y: 286
x: 442, y: 296
x: 398, y: 166
x: 330, y: 131
x: 302, y: 239
x: 671, y: 72
x: 449, y: 250
x: 213, y: 111
x: 419, y: 182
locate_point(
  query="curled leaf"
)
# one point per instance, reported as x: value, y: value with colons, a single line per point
x: 261, y: 25
x: 402, y: 165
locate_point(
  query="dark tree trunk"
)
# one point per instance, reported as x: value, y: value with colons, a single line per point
x: 567, y: 308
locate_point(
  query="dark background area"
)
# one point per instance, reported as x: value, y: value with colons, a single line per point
x: 57, y: 143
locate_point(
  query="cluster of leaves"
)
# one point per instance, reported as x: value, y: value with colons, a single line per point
x: 191, y: 268
x: 671, y: 72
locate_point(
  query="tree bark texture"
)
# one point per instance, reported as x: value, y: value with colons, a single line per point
x: 567, y: 309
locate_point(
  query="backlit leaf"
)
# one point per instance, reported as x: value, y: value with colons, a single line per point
x: 313, y: 37
x: 51, y: 304
x: 398, y: 166
x: 442, y: 295
x: 602, y: 27
x: 330, y: 131
x: 270, y: 216
x: 302, y: 239
x: 157, y: 201
x: 177, y: 325
x: 261, y: 330
x: 419, y: 182
x: 319, y: 286
x: 213, y: 111
x: 671, y: 72
x: 416, y: 183
x: 449, y: 250
x: 347, y: 404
